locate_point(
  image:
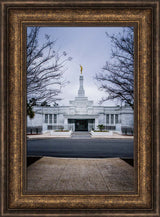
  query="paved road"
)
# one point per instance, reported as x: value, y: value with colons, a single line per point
x: 90, y: 148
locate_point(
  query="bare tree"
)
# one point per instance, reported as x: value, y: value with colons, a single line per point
x: 117, y: 76
x: 45, y: 67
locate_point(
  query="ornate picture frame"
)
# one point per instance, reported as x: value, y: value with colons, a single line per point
x: 16, y: 16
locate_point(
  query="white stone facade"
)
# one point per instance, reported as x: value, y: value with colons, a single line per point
x: 81, y: 115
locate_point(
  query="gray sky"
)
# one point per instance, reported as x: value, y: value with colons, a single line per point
x: 88, y: 46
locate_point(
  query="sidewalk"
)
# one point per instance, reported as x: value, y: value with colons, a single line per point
x: 114, y: 136
x: 80, y: 175
x: 47, y: 136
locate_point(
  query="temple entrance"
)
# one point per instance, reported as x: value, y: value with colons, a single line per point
x: 81, y: 125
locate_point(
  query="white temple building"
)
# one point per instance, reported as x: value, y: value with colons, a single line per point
x: 80, y: 115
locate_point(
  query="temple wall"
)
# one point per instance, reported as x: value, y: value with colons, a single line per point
x: 35, y: 122
x: 127, y: 120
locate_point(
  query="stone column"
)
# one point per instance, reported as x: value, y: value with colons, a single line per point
x: 96, y: 123
x: 66, y: 123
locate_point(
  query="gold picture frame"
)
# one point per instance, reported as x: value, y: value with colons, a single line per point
x: 16, y: 16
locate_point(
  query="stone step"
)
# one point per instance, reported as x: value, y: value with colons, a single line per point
x: 81, y: 135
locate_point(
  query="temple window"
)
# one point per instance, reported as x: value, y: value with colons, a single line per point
x: 107, y: 119
x: 50, y: 118
x: 116, y: 118
x: 55, y: 118
x: 112, y: 119
x: 46, y: 118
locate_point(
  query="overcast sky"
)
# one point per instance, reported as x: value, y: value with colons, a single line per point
x: 88, y: 46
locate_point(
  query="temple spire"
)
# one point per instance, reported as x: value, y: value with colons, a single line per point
x: 81, y: 92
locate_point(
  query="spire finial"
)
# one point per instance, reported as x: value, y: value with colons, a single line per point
x: 81, y: 69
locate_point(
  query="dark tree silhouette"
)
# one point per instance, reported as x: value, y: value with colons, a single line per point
x: 45, y: 68
x: 30, y: 104
x: 117, y: 76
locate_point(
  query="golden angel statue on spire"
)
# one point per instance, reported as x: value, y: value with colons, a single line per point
x: 81, y: 69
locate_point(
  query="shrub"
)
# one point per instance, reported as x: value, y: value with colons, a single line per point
x: 101, y: 127
x: 61, y: 128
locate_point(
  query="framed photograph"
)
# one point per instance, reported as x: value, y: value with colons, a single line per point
x: 79, y: 119
x: 80, y: 108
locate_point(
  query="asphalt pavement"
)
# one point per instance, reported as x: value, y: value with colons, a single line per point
x: 81, y: 148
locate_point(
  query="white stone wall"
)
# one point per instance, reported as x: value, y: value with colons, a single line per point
x: 102, y: 119
x: 60, y: 119
x: 127, y: 119
x: 125, y: 115
x: 35, y: 122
